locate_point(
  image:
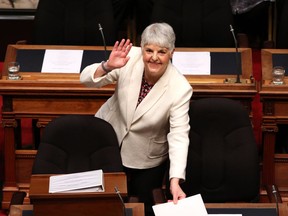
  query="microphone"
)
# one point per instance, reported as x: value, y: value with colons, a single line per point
x: 274, y: 191
x: 236, y: 56
x: 103, y: 39
x: 121, y: 199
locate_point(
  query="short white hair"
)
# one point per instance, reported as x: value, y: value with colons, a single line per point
x: 161, y: 34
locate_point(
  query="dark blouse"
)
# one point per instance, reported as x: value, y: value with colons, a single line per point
x: 145, y: 88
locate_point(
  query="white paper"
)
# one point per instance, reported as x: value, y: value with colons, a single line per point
x: 192, y: 205
x: 62, y: 61
x: 192, y: 63
x: 90, y: 181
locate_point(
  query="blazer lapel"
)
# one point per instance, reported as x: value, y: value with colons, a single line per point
x: 153, y: 96
x: 133, y: 92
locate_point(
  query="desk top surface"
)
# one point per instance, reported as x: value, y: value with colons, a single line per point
x: 71, y: 82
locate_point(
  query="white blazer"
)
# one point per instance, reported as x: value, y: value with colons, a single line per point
x: 155, y: 130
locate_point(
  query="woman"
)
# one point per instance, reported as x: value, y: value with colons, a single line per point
x: 149, y: 110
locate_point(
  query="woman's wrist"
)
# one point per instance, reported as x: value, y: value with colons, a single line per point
x: 105, y: 67
x: 174, y: 181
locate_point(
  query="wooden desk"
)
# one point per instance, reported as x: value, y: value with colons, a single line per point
x: 283, y: 208
x: 43, y: 96
x: 275, y: 112
x: 95, y: 203
x: 17, y: 210
x: 137, y: 208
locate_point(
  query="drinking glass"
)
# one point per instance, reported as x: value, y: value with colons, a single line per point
x: 278, y: 74
x: 13, y: 71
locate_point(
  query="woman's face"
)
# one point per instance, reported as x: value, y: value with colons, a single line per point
x: 156, y: 60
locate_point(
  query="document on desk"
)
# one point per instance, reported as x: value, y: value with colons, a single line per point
x: 189, y: 206
x: 192, y: 63
x: 90, y: 181
x: 192, y: 205
x: 62, y: 61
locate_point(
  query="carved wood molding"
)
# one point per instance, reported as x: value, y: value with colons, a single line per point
x: 270, y: 128
x: 8, y: 123
x: 42, y: 123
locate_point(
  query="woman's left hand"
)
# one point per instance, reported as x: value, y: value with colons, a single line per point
x: 176, y: 190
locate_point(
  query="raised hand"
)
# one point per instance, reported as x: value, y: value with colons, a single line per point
x: 119, y: 55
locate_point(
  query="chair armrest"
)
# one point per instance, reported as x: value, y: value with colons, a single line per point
x: 133, y: 199
x: 243, y: 41
x: 159, y: 196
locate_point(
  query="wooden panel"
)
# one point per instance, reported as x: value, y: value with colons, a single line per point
x: 17, y: 210
x: 24, y: 163
x: 60, y: 106
x: 75, y: 204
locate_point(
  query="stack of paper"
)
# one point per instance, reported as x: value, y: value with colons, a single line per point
x: 90, y: 181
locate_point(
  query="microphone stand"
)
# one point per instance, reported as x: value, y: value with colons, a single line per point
x: 274, y: 191
x: 121, y: 199
x: 103, y: 39
x: 236, y: 56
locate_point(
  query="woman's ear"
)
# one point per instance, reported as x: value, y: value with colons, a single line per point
x: 171, y: 53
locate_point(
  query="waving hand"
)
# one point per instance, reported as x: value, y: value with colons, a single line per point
x: 119, y: 55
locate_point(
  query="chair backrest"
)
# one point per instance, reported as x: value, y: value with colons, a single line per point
x: 74, y: 22
x: 223, y: 164
x: 197, y: 23
x: 76, y: 143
